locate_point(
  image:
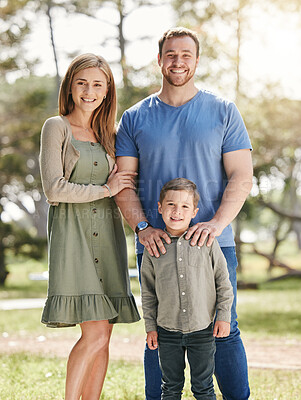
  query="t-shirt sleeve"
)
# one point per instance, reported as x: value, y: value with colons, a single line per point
x: 236, y: 136
x: 125, y: 143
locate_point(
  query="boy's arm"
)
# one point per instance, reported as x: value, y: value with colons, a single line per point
x: 152, y: 340
x: 148, y: 293
x: 224, y: 290
x: 221, y: 329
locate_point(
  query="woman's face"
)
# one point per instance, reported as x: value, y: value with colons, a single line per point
x: 89, y: 86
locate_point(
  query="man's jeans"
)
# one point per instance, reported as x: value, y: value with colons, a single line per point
x: 231, y: 368
x: 200, y: 349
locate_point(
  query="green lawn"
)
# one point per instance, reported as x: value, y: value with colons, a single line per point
x: 30, y: 377
x: 271, y: 312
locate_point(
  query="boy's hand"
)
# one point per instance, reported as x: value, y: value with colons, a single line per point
x: 152, y: 340
x: 221, y: 329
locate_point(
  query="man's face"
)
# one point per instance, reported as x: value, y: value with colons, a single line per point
x: 178, y: 61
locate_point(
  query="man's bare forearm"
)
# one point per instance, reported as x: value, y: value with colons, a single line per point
x: 233, y: 199
x: 130, y: 206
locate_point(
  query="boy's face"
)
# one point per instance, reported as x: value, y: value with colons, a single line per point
x: 177, y: 210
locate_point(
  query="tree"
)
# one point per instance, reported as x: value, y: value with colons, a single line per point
x: 23, y: 108
x: 272, y: 121
x: 13, y: 29
x: 122, y: 9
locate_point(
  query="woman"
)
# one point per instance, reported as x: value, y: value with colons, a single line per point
x: 88, y: 272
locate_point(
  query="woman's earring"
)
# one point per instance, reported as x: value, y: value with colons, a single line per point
x: 104, y: 97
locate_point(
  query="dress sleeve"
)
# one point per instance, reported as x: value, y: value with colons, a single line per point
x: 148, y: 293
x: 56, y: 187
x: 224, y: 291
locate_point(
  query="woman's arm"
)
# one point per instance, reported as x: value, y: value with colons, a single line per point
x: 55, y: 186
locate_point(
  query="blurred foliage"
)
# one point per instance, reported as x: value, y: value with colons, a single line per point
x: 24, y: 106
x: 273, y: 121
x: 13, y: 30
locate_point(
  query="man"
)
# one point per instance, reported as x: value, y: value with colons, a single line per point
x: 185, y: 132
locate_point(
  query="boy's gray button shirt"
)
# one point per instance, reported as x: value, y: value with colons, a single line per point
x: 182, y: 289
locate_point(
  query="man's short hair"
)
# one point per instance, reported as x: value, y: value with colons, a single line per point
x: 179, y: 32
x: 181, y: 184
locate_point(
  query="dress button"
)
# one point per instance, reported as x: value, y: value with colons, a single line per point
x: 183, y: 293
x: 181, y: 276
x: 199, y: 247
x: 96, y: 260
x: 94, y: 210
x: 180, y: 259
x: 184, y: 310
x: 180, y: 243
x: 95, y: 163
x: 95, y: 234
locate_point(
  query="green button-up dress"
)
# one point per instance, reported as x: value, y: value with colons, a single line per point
x: 88, y: 269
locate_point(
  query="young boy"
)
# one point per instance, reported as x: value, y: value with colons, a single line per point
x: 181, y: 292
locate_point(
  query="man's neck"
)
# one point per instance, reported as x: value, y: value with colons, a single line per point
x: 177, y: 96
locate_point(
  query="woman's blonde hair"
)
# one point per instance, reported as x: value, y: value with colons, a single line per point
x: 104, y: 117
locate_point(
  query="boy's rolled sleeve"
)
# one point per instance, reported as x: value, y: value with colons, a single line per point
x: 148, y: 293
x: 224, y: 290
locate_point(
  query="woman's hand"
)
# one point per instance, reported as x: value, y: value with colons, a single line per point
x: 118, y: 181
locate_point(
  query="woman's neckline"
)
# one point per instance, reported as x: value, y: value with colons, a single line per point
x: 69, y: 126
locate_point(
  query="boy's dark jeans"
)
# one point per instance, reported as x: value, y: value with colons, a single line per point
x: 200, y: 349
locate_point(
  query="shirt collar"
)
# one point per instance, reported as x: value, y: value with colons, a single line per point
x: 175, y: 237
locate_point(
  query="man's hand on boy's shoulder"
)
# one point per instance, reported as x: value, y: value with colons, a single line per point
x: 221, y: 329
x: 151, y: 238
x: 202, y: 230
x: 152, y: 340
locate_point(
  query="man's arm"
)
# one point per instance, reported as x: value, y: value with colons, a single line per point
x: 239, y: 171
x: 130, y: 206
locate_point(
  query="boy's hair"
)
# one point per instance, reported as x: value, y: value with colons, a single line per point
x: 179, y: 32
x: 181, y: 184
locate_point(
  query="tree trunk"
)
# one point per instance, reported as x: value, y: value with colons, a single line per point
x: 122, y: 43
x: 48, y: 12
x: 238, y: 243
x: 3, y: 270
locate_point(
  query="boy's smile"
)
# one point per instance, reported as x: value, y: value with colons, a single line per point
x: 177, y: 210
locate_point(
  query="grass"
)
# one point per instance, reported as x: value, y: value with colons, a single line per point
x: 27, y: 377
x: 18, y: 285
x: 270, y: 313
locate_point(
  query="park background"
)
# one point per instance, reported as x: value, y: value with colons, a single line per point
x: 250, y: 53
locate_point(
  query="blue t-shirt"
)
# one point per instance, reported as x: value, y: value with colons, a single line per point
x: 182, y: 142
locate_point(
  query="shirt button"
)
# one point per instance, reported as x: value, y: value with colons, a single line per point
x: 94, y: 210
x: 183, y: 293
x: 95, y: 163
x: 199, y: 247
x: 181, y: 276
x: 180, y: 259
x: 95, y: 234
x: 180, y: 243
x: 96, y: 260
x: 184, y: 310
